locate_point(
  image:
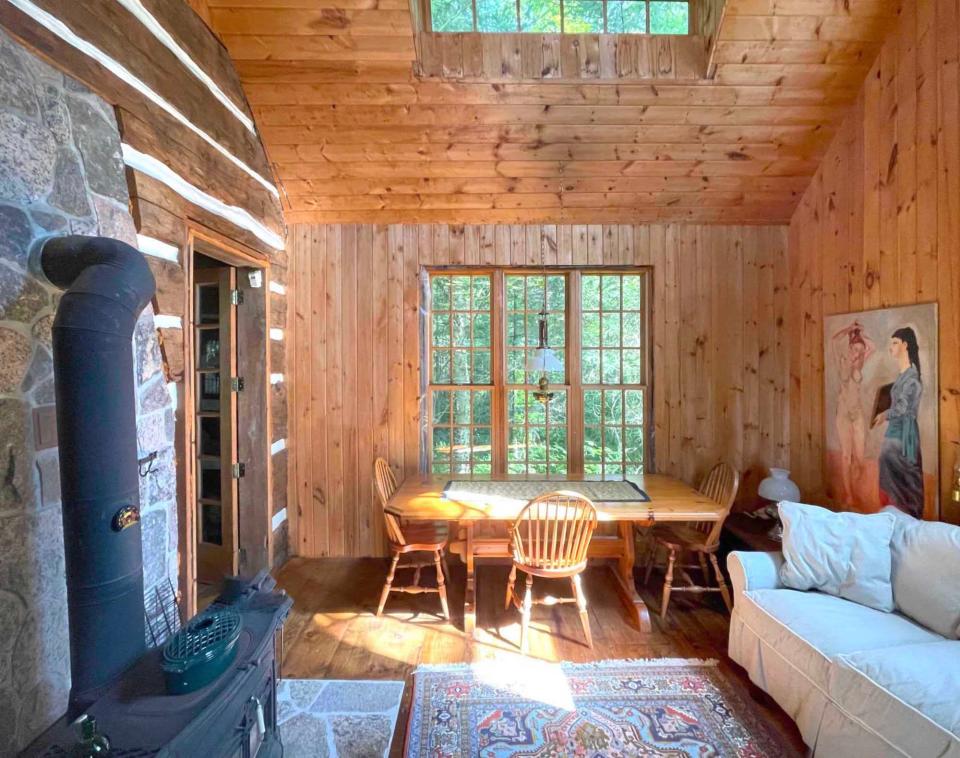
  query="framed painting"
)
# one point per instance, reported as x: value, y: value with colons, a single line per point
x: 880, y: 399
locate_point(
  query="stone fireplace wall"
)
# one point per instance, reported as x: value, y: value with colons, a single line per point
x: 60, y: 172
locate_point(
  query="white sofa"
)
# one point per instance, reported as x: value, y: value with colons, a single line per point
x: 858, y: 682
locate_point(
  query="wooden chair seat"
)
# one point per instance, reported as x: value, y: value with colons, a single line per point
x: 428, y: 535
x: 683, y: 537
x: 411, y: 537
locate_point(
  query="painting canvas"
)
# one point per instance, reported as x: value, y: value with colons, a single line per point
x: 880, y: 372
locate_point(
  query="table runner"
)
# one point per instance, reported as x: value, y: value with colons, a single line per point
x: 610, y: 491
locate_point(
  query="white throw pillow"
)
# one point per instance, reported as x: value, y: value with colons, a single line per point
x: 926, y: 572
x: 842, y: 554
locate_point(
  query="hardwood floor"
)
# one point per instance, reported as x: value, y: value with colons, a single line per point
x: 332, y: 633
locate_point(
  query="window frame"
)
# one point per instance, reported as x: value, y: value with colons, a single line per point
x: 499, y: 386
x: 426, y: 13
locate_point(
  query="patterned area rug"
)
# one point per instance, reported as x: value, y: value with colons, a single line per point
x: 609, y: 491
x: 337, y: 719
x: 610, y: 709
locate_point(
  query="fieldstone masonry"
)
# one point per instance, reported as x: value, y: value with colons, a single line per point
x: 61, y: 171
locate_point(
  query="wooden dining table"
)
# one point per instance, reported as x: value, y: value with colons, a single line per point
x: 422, y: 498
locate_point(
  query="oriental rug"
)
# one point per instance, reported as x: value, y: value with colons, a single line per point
x: 609, y: 709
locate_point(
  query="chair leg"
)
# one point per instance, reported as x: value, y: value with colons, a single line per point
x: 525, y: 616
x: 721, y: 582
x: 446, y: 568
x: 703, y: 568
x: 510, y: 582
x: 388, y: 583
x: 582, y: 605
x: 668, y: 582
x: 651, y: 560
x: 441, y: 586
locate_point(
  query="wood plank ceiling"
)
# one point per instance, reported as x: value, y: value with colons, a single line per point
x: 356, y: 136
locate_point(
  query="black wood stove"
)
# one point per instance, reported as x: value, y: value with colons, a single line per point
x: 116, y: 679
x: 234, y: 715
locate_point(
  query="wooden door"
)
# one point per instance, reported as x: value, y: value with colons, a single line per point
x: 215, y: 443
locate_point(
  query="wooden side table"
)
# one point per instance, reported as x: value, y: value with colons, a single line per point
x: 741, y: 532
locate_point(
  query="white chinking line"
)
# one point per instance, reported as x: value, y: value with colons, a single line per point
x: 167, y: 322
x: 156, y: 29
x: 64, y: 32
x: 162, y: 173
x: 158, y: 248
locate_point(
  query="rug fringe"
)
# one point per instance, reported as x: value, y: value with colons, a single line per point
x: 567, y: 665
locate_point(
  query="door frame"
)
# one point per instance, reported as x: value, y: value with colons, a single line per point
x: 257, y: 494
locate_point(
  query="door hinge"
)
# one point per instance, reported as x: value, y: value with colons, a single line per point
x: 239, y: 471
x: 236, y: 384
x: 236, y: 297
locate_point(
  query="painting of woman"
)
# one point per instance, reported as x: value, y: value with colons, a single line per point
x: 901, y: 461
x: 881, y: 403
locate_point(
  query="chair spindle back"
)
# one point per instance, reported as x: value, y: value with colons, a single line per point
x: 720, y: 485
x: 553, y: 531
x: 386, y: 484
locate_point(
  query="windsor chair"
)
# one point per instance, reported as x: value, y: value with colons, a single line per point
x: 423, y: 537
x: 701, y: 538
x: 550, y: 539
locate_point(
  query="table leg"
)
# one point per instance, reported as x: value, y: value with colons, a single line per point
x: 470, y: 591
x: 623, y: 571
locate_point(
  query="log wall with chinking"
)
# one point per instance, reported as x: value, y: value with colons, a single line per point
x: 879, y: 226
x: 719, y: 334
x: 194, y: 161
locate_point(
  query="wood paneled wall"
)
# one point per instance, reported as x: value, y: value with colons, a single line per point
x: 720, y: 352
x: 880, y: 224
x: 484, y: 57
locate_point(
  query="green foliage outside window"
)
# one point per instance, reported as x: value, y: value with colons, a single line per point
x: 566, y: 16
x: 607, y: 398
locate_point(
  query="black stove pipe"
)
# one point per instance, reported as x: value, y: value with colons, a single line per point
x: 108, y: 284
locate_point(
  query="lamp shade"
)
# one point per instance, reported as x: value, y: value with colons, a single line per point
x: 543, y: 359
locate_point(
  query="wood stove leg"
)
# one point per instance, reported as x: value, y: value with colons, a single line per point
x: 623, y: 571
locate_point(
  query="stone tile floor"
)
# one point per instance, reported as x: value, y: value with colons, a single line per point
x: 337, y: 718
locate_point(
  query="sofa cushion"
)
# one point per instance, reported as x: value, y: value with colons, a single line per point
x: 923, y: 552
x: 809, y: 629
x: 843, y: 554
x: 909, y: 695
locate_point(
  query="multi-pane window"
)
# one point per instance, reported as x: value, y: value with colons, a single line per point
x: 525, y: 302
x: 460, y: 354
x: 537, y: 442
x: 484, y: 330
x: 561, y: 16
x: 613, y: 431
x: 612, y: 307
x: 462, y: 431
x: 461, y: 329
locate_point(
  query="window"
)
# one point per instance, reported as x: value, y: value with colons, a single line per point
x: 566, y: 16
x: 482, y: 414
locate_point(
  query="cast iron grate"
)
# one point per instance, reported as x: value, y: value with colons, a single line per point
x: 203, y: 636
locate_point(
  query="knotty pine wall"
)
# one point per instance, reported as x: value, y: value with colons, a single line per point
x: 880, y: 224
x: 720, y: 352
